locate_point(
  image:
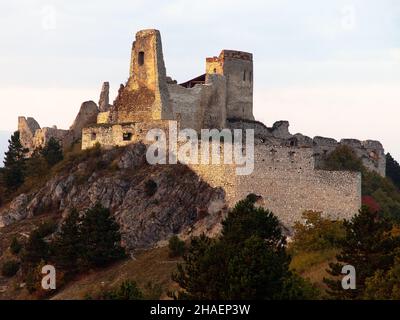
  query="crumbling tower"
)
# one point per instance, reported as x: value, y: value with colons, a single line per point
x: 145, y: 96
x: 237, y: 67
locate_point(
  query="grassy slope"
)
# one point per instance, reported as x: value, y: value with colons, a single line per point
x: 10, y: 288
x: 148, y: 266
x: 313, y: 265
x: 152, y: 265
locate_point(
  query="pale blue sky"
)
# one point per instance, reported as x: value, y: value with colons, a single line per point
x: 331, y: 69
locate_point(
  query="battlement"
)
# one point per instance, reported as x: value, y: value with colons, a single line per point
x: 230, y: 55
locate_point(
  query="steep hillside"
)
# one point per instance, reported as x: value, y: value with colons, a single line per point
x: 150, y: 268
x: 151, y: 203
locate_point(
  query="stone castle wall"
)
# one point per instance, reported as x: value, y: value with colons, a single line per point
x: 371, y: 152
x: 288, y: 183
x: 113, y: 135
x: 33, y: 137
x: 202, y: 106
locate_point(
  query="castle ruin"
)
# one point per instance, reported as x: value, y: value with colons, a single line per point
x: 288, y: 167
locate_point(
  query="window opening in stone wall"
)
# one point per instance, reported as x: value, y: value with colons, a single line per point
x: 215, y: 70
x: 244, y: 76
x: 93, y: 136
x: 141, y: 58
x: 127, y: 136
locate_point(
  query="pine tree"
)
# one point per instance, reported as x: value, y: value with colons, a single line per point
x: 14, y: 163
x: 36, y: 250
x: 368, y: 246
x: 52, y: 152
x: 67, y: 244
x: 384, y: 285
x: 100, y: 237
x: 248, y: 262
x: 393, y: 170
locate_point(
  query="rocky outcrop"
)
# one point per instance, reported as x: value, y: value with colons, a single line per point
x: 87, y: 116
x: 27, y: 128
x: 33, y: 137
x: 182, y: 202
x: 104, y: 102
x: 16, y: 211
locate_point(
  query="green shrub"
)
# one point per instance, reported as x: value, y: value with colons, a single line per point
x: 343, y: 158
x: 317, y: 233
x: 128, y: 290
x: 176, y: 247
x: 10, y: 268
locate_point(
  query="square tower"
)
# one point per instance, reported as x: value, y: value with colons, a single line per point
x: 237, y: 68
x: 145, y: 97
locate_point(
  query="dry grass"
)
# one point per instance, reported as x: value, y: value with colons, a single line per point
x: 149, y: 266
x: 313, y: 265
x: 10, y: 288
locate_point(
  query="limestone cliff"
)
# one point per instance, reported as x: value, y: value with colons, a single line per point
x: 181, y: 203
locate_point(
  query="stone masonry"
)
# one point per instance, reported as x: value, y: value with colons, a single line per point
x: 288, y: 167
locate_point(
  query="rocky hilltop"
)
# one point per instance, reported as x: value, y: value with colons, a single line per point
x: 151, y: 203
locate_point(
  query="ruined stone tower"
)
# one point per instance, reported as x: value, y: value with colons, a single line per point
x: 145, y: 96
x: 237, y: 68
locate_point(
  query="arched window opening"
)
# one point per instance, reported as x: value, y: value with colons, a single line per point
x: 141, y: 58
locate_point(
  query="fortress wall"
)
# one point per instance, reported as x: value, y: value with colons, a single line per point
x: 187, y: 104
x: 371, y: 153
x: 203, y: 106
x: 214, y: 102
x: 42, y: 137
x: 288, y: 193
x: 109, y: 136
x: 219, y: 176
x: 103, y: 117
x: 289, y: 185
